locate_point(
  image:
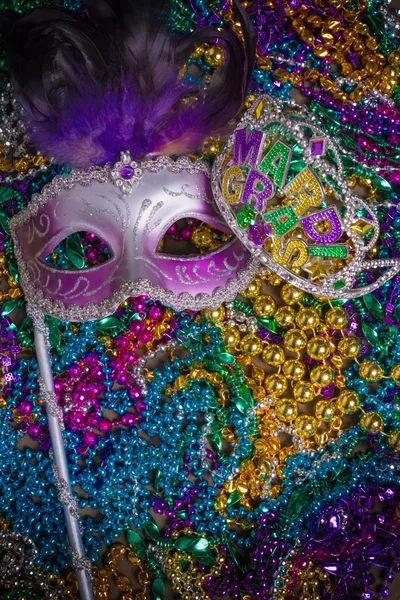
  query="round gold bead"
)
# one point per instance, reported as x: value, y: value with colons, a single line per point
x: 307, y: 318
x: 340, y: 381
x: 372, y: 421
x: 214, y: 56
x: 12, y: 283
x: 325, y: 410
x: 285, y: 316
x: 336, y: 318
x: 265, y: 64
x: 202, y: 237
x: 274, y: 280
x: 231, y: 337
x: 215, y: 315
x: 303, y: 392
x: 290, y: 294
x: 295, y: 340
x: 257, y: 373
x: 243, y: 359
x: 306, y: 426
x: 253, y: 289
x: 371, y: 371
x: 395, y: 374
x: 198, y: 52
x: 273, y: 355
x: 15, y: 293
x: 394, y: 57
x: 322, y: 438
x: 286, y: 409
x: 349, y: 347
x: 394, y: 440
x: 227, y: 434
x: 251, y: 344
x: 347, y: 402
x: 321, y: 376
x: 293, y: 369
x: 319, y: 348
x: 264, y: 306
x: 275, y: 384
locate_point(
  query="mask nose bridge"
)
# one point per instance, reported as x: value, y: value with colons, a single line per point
x: 199, y: 208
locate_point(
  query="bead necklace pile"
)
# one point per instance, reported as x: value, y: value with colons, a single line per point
x: 249, y: 451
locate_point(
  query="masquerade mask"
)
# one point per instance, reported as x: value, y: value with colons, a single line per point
x: 90, y: 88
x: 132, y: 220
x: 279, y: 184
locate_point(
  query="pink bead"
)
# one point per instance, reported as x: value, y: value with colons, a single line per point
x: 79, y: 398
x: 92, y: 420
x: 94, y: 388
x: 155, y: 313
x: 96, y: 373
x: 138, y: 305
x: 58, y: 385
x: 34, y: 430
x: 394, y: 177
x: 75, y: 371
x: 121, y: 342
x: 301, y: 563
x: 186, y: 233
x: 25, y: 407
x: 90, y: 438
x: 140, y: 406
x: 172, y: 230
x: 77, y: 421
x: 135, y: 393
x: 136, y: 327
x: 91, y: 254
x: 92, y: 359
x: 145, y: 337
x: 91, y: 237
x: 104, y: 425
x: 128, y: 419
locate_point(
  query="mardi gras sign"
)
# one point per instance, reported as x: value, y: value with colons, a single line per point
x: 279, y: 184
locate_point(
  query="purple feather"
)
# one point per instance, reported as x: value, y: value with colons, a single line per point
x: 92, y: 87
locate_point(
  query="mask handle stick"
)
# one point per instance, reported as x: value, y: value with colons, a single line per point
x: 80, y: 562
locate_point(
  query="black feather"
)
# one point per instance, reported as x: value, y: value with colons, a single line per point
x: 110, y: 81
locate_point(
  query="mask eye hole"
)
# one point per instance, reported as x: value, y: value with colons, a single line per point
x: 188, y: 237
x: 80, y: 250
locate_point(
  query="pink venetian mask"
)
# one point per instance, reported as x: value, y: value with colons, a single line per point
x: 130, y: 207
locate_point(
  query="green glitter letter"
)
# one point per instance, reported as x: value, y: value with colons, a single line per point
x: 276, y: 162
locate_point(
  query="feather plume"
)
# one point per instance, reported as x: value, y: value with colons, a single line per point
x: 94, y: 86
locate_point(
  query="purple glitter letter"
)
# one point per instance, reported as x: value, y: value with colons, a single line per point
x: 329, y: 214
x: 255, y: 177
x: 245, y: 145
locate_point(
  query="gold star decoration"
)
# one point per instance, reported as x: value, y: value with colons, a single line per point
x: 318, y: 268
